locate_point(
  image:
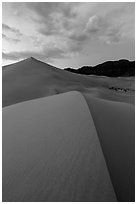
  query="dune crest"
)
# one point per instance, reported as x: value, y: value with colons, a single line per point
x: 51, y: 152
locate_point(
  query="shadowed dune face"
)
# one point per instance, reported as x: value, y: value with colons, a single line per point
x: 51, y: 152
x: 30, y: 79
x: 115, y: 124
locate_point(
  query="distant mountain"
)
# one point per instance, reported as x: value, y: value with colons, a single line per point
x: 110, y: 68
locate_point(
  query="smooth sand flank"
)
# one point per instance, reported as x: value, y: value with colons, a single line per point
x: 51, y: 152
x: 30, y: 79
x: 115, y: 124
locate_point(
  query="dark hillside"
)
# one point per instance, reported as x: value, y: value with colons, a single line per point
x: 110, y: 68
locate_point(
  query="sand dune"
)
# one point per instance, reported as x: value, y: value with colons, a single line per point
x: 51, y: 152
x: 115, y: 124
x: 30, y: 79
x: 70, y: 146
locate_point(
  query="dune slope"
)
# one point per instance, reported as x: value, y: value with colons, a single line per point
x: 115, y: 124
x: 51, y: 152
x: 30, y: 79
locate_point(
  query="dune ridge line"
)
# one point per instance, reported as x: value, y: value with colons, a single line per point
x: 51, y: 152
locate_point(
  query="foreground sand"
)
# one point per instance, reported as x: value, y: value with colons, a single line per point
x: 51, y: 152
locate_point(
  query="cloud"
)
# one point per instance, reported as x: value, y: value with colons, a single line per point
x: 4, y: 36
x: 5, y: 27
x: 92, y: 27
x: 118, y: 31
x: 94, y: 24
x: 47, y: 54
x: 57, y: 23
x: 55, y: 18
x: 112, y: 30
x: 112, y: 35
x: 78, y: 36
x: 64, y: 29
x: 43, y: 9
x: 10, y: 39
x: 112, y: 24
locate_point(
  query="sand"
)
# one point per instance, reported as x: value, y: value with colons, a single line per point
x: 115, y: 124
x: 75, y: 146
x: 30, y: 79
x: 51, y: 152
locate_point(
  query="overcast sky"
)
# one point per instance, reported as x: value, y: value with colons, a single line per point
x: 68, y: 34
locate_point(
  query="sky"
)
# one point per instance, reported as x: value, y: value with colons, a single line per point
x: 68, y: 34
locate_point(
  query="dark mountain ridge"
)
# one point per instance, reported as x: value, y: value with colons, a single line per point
x: 118, y: 68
